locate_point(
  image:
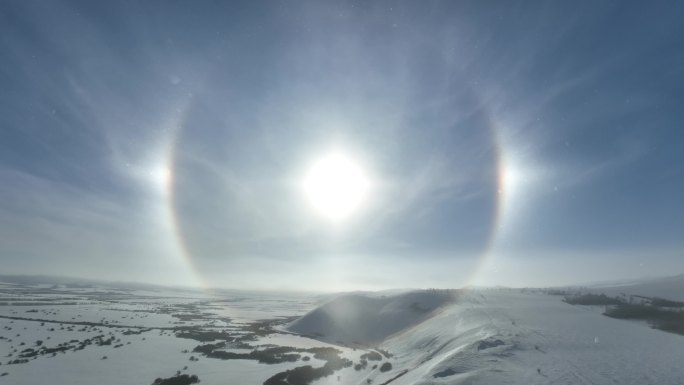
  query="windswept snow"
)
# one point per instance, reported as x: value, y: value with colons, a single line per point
x: 511, y: 337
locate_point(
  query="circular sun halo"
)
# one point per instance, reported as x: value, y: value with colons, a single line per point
x: 336, y: 186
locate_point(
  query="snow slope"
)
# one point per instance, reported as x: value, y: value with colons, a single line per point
x: 514, y: 337
x: 355, y: 319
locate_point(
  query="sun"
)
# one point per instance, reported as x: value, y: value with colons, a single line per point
x: 336, y: 186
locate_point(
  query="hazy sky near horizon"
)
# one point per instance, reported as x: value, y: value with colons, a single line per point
x: 511, y: 143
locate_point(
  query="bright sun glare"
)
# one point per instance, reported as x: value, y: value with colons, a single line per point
x: 336, y: 186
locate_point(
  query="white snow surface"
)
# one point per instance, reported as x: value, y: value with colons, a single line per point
x: 568, y: 344
x: 483, y: 336
x: 540, y: 339
x: 356, y: 319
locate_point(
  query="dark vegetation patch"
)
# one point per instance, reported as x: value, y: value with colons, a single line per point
x: 660, y: 302
x: 662, y: 314
x: 251, y: 332
x: 18, y: 361
x: 416, y: 307
x: 304, y: 375
x: 73, y: 345
x: 271, y: 355
x: 208, y: 348
x: 486, y: 344
x: 188, y: 312
x: 445, y: 373
x: 591, y: 299
x: 203, y: 336
x: 371, y: 356
x: 266, y: 356
x: 182, y: 379
x: 279, y: 354
x: 265, y: 327
x: 552, y: 292
x: 386, y: 367
x: 395, y: 377
x: 664, y: 319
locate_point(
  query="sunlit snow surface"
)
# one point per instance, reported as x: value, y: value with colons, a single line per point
x: 481, y: 336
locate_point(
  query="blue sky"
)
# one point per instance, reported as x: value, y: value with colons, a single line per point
x: 512, y: 143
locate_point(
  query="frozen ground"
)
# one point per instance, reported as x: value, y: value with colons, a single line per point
x: 104, y: 335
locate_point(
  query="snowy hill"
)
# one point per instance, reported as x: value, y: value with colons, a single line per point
x: 500, y: 337
x: 506, y: 336
x: 366, y: 320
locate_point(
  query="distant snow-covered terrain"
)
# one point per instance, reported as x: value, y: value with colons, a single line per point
x: 671, y: 288
x: 85, y: 335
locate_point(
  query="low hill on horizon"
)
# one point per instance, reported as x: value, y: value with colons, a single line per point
x: 671, y: 288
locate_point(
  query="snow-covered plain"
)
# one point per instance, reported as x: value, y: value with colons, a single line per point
x: 483, y: 336
x: 113, y: 336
